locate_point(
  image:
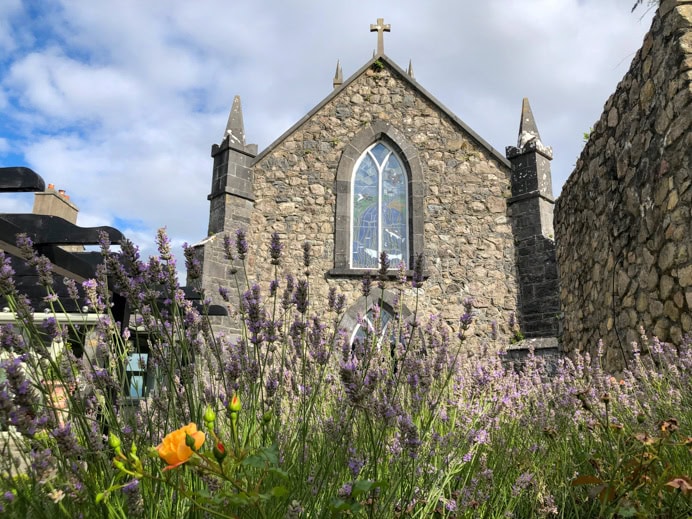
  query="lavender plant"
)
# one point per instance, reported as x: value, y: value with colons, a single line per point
x: 293, y: 416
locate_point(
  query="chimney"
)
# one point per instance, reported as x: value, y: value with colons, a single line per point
x: 55, y: 203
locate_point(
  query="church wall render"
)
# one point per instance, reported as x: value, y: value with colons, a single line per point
x: 623, y: 221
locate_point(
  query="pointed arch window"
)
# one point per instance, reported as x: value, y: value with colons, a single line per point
x: 379, y: 210
x: 361, y: 330
x: 380, y: 192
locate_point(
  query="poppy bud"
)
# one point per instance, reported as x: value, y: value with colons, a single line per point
x: 209, y: 415
x: 235, y: 405
x: 219, y: 452
x: 114, y: 442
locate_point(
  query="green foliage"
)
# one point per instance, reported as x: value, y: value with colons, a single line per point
x: 587, y: 135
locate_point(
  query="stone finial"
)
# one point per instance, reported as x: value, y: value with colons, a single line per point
x: 410, y: 70
x: 528, y: 130
x: 235, y: 130
x: 338, y: 76
x: 380, y: 28
x: 529, y: 138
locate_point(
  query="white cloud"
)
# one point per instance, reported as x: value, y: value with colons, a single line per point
x: 8, y: 10
x: 120, y: 106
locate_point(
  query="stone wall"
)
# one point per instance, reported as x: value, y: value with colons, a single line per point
x: 468, y: 239
x: 623, y: 222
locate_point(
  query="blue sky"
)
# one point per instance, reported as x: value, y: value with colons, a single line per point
x: 119, y: 103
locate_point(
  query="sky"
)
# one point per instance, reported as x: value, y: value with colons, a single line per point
x: 118, y: 103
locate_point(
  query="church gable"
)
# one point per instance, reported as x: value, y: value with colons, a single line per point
x: 457, y: 190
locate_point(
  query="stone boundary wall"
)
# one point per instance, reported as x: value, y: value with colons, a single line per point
x: 623, y: 222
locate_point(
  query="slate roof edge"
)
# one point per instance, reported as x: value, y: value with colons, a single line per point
x: 383, y: 57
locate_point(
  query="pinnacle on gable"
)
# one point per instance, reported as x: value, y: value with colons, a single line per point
x: 529, y: 139
x: 338, y: 76
x: 528, y: 130
x: 235, y: 130
x: 410, y: 70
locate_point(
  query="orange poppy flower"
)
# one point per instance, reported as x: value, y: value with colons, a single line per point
x: 174, y: 449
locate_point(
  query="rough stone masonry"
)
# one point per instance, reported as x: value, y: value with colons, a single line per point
x: 623, y: 221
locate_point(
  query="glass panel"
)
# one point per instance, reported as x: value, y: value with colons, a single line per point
x: 136, y: 386
x: 395, y: 212
x: 137, y: 362
x: 380, y: 153
x: 385, y: 318
x: 365, y: 215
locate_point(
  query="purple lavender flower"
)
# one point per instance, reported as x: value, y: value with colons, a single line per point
x: 52, y: 328
x: 6, y: 405
x: 71, y: 286
x: 26, y: 246
x: 481, y: 437
x: 523, y: 481
x: 287, y: 298
x: 104, y: 243
x: 467, y: 317
x: 192, y: 264
x: 67, y: 443
x: 275, y: 248
x: 223, y: 292
x: 163, y: 244
x: 317, y: 341
x: 417, y: 280
x: 366, y: 284
x: 345, y: 490
x: 133, y: 498
x: 7, y: 285
x: 300, y: 298
x: 409, y: 434
x: 12, y: 341
x: 355, y: 462
x: 306, y: 254
x: 273, y: 287
x: 254, y: 312
x: 340, y: 303
x: 43, y: 266
x: 401, y: 272
x: 42, y: 463
x: 241, y: 244
x: 228, y: 248
x: 331, y: 299
x: 384, y: 265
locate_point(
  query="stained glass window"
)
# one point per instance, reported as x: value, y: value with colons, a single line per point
x: 361, y: 331
x: 380, y: 209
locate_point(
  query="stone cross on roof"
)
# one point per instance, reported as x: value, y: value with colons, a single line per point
x: 381, y: 28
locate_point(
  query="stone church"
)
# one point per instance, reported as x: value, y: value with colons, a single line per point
x: 381, y: 164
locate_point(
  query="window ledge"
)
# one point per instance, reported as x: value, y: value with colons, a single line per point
x: 347, y: 272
